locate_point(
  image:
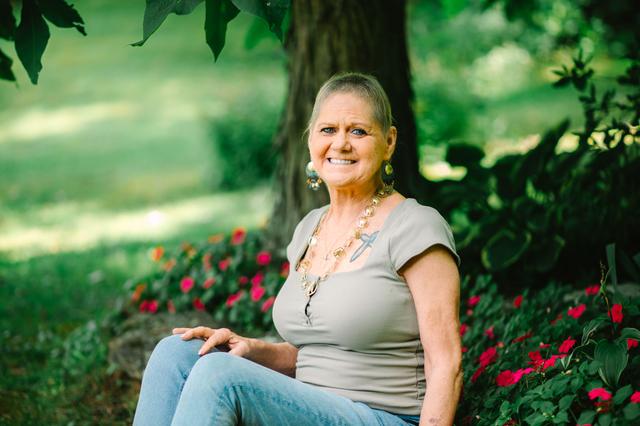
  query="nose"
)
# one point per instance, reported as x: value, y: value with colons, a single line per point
x: 340, y: 141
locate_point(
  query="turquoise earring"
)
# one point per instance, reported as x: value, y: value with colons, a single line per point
x: 386, y: 173
x: 313, y: 180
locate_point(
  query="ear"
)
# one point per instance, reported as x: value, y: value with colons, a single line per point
x: 391, y: 142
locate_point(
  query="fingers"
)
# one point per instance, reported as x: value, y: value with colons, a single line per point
x: 219, y: 337
x: 179, y: 330
x: 197, y: 332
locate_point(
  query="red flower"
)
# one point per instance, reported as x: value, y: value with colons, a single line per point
x: 257, y: 279
x: 473, y: 301
x: 505, y: 378
x: 284, y: 270
x: 257, y: 292
x: 523, y: 337
x: 592, y: 290
x: 206, y: 261
x: 488, y: 356
x: 635, y: 398
x: 223, y: 265
x: 577, y: 311
x: 477, y: 373
x: 536, y: 359
x: 153, y: 306
x: 551, y: 361
x: 599, y: 393
x: 544, y: 345
x: 233, y: 298
x: 631, y: 343
x: 237, y: 236
x: 263, y: 258
x: 558, y: 318
x: 463, y: 329
x: 489, y: 332
x: 566, y: 346
x: 197, y: 304
x: 521, y: 372
x: 469, y: 312
x: 209, y: 282
x: 464, y: 349
x: 517, y: 301
x: 171, y: 307
x: 157, y: 253
x: 186, y: 284
x: 616, y: 313
x: 267, y: 304
x: 242, y: 280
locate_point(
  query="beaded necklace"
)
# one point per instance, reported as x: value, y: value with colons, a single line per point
x: 310, y: 286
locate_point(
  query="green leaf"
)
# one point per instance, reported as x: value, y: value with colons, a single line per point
x: 505, y: 408
x: 604, y: 419
x: 613, y: 358
x: 32, y: 35
x: 586, y: 417
x: 257, y: 32
x: 631, y: 411
x: 590, y: 328
x: 622, y: 394
x: 156, y: 11
x: 272, y: 11
x: 7, y: 21
x: 630, y: 333
x: 504, y: 248
x: 463, y: 154
x: 5, y: 67
x: 561, y: 417
x: 61, y: 14
x: 565, y: 402
x: 219, y: 14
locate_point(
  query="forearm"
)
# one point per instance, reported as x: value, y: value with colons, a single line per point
x: 280, y: 357
x: 441, y: 400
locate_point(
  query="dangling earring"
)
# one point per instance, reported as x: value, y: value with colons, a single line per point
x: 313, y: 180
x: 386, y: 173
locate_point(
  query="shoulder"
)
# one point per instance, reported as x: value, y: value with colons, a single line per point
x: 415, y: 214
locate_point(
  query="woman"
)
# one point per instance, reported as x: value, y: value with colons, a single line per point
x: 369, y: 314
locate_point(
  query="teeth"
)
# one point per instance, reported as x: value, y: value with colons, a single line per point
x: 337, y: 161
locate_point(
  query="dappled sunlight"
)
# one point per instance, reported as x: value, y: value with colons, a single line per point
x: 39, y: 123
x: 75, y: 226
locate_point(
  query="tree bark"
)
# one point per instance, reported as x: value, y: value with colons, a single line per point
x: 326, y: 37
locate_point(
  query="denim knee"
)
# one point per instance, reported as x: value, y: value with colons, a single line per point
x: 171, y: 351
x: 219, y: 370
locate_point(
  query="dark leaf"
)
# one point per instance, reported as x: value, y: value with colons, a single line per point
x: 7, y: 20
x: 32, y: 35
x: 156, y: 11
x: 613, y: 360
x: 463, y: 154
x: 61, y: 14
x: 504, y: 248
x: 5, y: 67
x: 218, y: 15
x: 272, y: 11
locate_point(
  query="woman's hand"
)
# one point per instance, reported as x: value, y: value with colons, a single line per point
x: 231, y: 342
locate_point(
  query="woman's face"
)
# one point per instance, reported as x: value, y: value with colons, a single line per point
x: 347, y: 146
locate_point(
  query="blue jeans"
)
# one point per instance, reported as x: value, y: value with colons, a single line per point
x: 179, y: 387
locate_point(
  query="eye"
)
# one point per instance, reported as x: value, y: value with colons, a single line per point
x: 327, y: 130
x: 358, y: 132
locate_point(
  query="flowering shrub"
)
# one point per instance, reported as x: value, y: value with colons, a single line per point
x: 553, y: 357
x: 230, y: 276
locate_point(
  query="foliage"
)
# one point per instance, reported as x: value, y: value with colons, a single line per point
x: 541, y: 214
x: 550, y: 357
x: 231, y: 277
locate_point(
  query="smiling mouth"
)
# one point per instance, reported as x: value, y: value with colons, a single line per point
x: 340, y: 161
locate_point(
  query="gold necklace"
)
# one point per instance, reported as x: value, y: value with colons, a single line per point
x: 310, y: 286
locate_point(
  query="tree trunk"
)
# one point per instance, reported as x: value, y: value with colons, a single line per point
x: 326, y: 37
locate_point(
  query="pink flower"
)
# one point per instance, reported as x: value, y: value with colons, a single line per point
x: 233, y: 298
x: 635, y: 398
x: 522, y: 337
x: 267, y: 304
x: 152, y: 306
x: 171, y: 307
x: 577, y: 311
x: 464, y: 349
x: 263, y: 258
x: 592, y: 290
x: 144, y: 306
x: 463, y: 329
x: 284, y: 270
x: 257, y: 292
x: 469, y: 312
x: 631, y: 343
x: 517, y: 301
x: 242, y: 280
x: 599, y: 393
x: 489, y: 332
x: 238, y: 236
x: 488, y: 356
x: 616, y: 313
x: 552, y: 361
x: 521, y: 372
x: 209, y: 282
x: 566, y: 346
x: 186, y: 284
x: 544, y: 345
x: 473, y: 301
x: 197, y: 304
x: 257, y: 279
x: 477, y: 373
x: 224, y: 264
x: 505, y: 378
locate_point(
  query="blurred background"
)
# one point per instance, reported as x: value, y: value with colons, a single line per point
x: 119, y: 149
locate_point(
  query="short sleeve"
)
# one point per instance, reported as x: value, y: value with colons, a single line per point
x: 419, y: 228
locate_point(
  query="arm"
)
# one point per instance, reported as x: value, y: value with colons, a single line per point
x: 434, y: 282
x: 280, y: 357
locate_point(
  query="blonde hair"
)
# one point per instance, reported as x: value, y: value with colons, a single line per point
x: 364, y: 85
